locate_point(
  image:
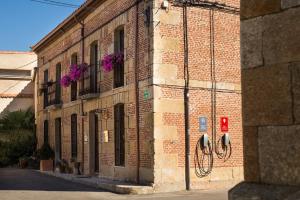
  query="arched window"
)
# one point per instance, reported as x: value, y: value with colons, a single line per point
x: 119, y: 48
x: 74, y: 60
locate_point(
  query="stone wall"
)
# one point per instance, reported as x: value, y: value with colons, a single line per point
x: 270, y: 79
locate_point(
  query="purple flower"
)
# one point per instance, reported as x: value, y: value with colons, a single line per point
x: 107, y: 63
x: 65, y: 81
x: 110, y: 60
x: 75, y: 72
x: 83, y: 67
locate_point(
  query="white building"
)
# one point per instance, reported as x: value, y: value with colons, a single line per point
x: 16, y: 80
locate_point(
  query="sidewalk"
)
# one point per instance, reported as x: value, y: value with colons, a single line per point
x: 105, y: 184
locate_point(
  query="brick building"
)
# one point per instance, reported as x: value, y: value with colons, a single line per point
x: 94, y: 120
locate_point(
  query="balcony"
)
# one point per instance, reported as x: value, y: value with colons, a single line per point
x: 89, y: 83
x: 54, y: 95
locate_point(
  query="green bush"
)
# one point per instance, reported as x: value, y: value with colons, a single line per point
x: 17, y: 120
x: 14, y: 145
x: 45, y: 152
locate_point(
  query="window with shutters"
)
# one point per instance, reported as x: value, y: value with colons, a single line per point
x: 46, y: 103
x: 89, y: 81
x: 74, y: 136
x: 74, y: 60
x: 57, y: 84
x: 46, y: 132
x: 119, y: 130
x: 119, y: 48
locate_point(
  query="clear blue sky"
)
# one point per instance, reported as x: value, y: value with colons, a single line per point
x: 24, y: 22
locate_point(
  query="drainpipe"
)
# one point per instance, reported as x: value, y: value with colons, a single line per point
x: 186, y: 99
x: 137, y: 106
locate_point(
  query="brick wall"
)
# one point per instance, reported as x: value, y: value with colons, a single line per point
x: 160, y: 75
x: 169, y: 134
x: 100, y: 26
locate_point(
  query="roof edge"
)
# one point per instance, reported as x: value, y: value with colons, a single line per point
x: 64, y: 23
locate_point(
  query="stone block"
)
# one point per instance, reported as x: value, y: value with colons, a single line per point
x: 295, y: 71
x: 166, y: 132
x: 279, y: 156
x: 251, y: 165
x: 169, y: 106
x: 254, y: 8
x: 289, y: 3
x: 281, y: 37
x: 173, y: 17
x: 267, y: 96
x: 251, y: 191
x: 167, y: 44
x: 251, y: 43
x: 164, y: 72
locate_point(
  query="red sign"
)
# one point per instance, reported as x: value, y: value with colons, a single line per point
x: 224, y: 124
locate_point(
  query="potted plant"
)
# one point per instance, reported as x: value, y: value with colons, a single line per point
x: 75, y: 166
x: 23, y: 162
x: 46, y: 155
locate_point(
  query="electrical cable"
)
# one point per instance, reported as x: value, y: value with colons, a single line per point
x: 201, y: 153
x: 54, y: 3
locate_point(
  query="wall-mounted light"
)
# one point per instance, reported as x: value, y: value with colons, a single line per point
x: 165, y: 4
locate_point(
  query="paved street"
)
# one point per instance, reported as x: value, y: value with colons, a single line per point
x: 16, y: 184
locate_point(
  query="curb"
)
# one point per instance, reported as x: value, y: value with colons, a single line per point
x: 116, y: 187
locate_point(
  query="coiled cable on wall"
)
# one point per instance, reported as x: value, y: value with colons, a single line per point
x: 203, y: 153
x: 226, y: 149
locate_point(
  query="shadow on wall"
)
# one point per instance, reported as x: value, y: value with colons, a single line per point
x: 22, y: 101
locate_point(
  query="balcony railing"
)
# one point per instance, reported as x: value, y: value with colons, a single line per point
x: 54, y: 94
x: 89, y: 83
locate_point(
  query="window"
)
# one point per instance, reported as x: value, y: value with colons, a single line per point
x: 94, y: 67
x: 74, y: 136
x: 46, y: 133
x: 58, y: 146
x: 119, y: 47
x: 57, y: 85
x: 74, y: 60
x: 119, y: 135
x: 46, y: 103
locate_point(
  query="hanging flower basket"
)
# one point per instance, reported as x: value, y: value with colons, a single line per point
x: 65, y: 81
x: 76, y: 71
x: 110, y: 60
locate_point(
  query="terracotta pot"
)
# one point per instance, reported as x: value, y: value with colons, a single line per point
x: 23, y: 163
x: 46, y: 165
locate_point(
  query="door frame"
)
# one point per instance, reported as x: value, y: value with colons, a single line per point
x: 92, y: 143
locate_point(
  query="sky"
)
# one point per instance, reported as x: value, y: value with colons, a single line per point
x: 24, y: 22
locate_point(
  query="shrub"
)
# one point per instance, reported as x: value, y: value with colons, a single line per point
x: 14, y: 145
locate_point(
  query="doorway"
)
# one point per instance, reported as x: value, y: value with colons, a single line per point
x: 94, y: 142
x: 57, y: 140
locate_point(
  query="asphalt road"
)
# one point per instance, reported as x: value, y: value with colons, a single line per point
x: 17, y: 184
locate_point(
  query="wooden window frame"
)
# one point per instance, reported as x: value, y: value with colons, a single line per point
x: 74, y: 144
x: 46, y: 132
x: 119, y: 134
x: 58, y: 86
x: 119, y: 42
x: 46, y: 96
x: 74, y: 60
x: 94, y: 57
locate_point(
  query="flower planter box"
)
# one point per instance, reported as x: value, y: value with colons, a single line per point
x: 46, y: 165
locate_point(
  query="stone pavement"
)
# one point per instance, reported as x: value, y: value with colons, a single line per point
x: 17, y: 184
